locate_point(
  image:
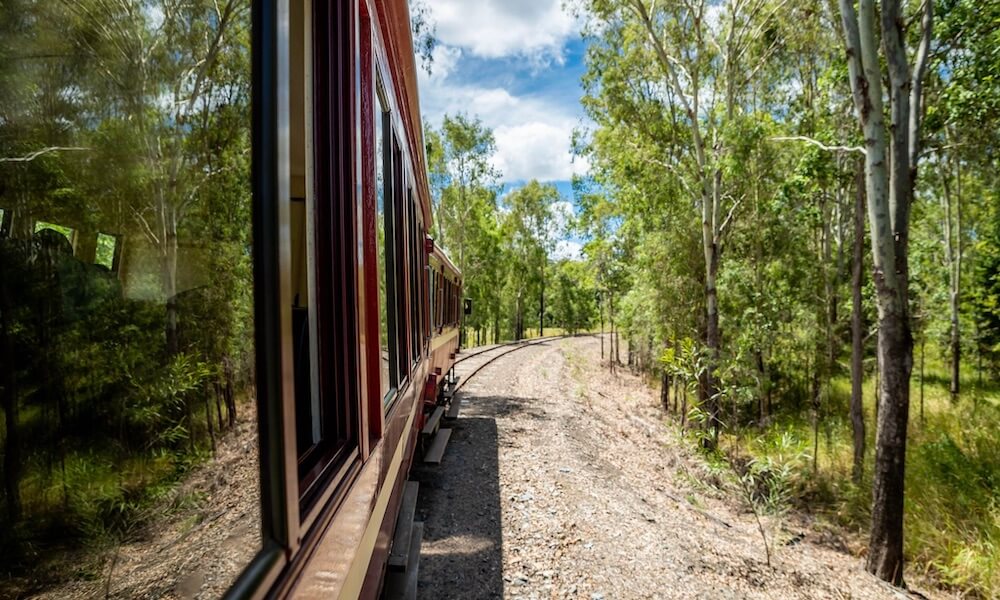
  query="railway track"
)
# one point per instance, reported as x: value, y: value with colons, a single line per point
x: 504, y: 349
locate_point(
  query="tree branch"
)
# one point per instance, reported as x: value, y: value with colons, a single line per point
x: 33, y: 155
x: 917, y: 85
x: 818, y: 144
x: 729, y: 217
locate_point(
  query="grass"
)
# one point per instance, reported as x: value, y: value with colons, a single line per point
x: 952, y: 514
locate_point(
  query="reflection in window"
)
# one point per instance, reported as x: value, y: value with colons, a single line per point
x: 127, y: 428
x: 64, y: 231
x: 414, y: 281
x: 104, y: 254
x: 383, y: 241
x: 399, y: 236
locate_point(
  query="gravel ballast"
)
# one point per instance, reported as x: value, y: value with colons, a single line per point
x: 563, y: 480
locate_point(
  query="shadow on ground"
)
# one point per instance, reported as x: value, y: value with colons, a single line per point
x: 459, y: 503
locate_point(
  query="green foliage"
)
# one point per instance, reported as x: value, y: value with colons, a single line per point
x: 779, y: 170
x: 125, y: 277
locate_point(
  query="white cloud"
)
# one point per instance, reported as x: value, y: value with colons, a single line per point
x: 535, y: 150
x: 570, y: 249
x: 533, y: 134
x: 445, y: 58
x: 499, y: 28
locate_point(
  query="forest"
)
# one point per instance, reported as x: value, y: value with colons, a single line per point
x: 792, y: 219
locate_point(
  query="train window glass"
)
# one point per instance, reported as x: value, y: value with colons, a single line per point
x: 310, y: 418
x: 399, y: 239
x: 414, y: 282
x: 437, y: 300
x: 105, y: 251
x: 431, y: 299
x: 383, y: 233
x: 129, y: 432
x: 451, y: 301
x: 425, y: 287
x: 326, y: 401
x: 66, y: 232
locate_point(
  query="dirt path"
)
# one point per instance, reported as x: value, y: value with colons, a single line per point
x: 563, y: 481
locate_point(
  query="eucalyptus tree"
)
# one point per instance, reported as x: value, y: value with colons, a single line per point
x: 892, y: 153
x: 672, y: 81
x: 465, y: 186
x: 467, y: 182
x: 961, y: 131
x: 526, y: 230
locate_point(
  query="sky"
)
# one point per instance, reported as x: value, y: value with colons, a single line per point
x: 515, y: 64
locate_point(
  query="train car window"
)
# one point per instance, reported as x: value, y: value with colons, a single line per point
x: 425, y: 287
x: 310, y: 421
x: 129, y: 431
x: 431, y: 298
x: 68, y: 232
x: 383, y: 233
x: 327, y: 399
x: 451, y: 303
x: 443, y: 294
x: 415, y: 278
x: 399, y: 238
x: 105, y: 251
x: 443, y: 291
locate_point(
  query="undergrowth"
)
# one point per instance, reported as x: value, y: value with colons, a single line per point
x: 952, y: 514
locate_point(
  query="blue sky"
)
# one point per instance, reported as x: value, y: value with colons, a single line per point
x: 516, y: 64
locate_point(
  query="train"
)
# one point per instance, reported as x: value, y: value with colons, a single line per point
x: 396, y: 313
x: 355, y: 314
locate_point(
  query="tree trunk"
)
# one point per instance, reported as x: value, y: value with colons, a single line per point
x: 857, y: 335
x: 8, y: 375
x: 169, y: 282
x: 885, y: 558
x: 817, y: 391
x: 611, y: 348
x: 665, y: 391
x: 713, y: 341
x: 230, y: 389
x: 601, y: 311
x: 953, y: 259
x: 761, y: 391
x: 541, y: 310
x: 922, y: 344
x: 208, y: 418
x: 684, y: 404
x: 889, y: 193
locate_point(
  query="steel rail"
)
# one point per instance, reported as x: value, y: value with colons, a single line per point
x: 518, y: 343
x: 519, y: 346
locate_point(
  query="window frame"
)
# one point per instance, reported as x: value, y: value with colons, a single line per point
x: 288, y: 527
x: 390, y: 182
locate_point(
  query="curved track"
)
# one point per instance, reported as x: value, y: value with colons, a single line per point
x: 506, y: 349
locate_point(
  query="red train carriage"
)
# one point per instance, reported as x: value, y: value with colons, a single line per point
x: 355, y: 312
x: 386, y: 314
x: 446, y: 316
